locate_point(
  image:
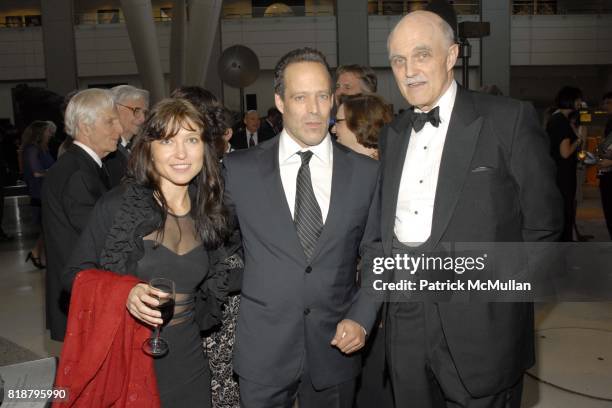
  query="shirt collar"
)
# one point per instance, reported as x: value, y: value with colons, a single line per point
x: 288, y: 148
x: 90, y: 152
x: 446, y: 102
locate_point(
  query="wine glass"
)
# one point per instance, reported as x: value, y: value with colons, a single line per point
x: 155, y: 345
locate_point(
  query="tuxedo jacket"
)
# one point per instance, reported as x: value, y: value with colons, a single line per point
x: 239, y: 139
x: 116, y: 164
x: 496, y: 184
x: 290, y: 307
x: 70, y: 191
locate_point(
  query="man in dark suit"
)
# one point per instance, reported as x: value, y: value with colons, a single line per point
x: 72, y: 187
x: 132, y: 107
x: 461, y: 167
x: 272, y: 124
x: 303, y: 204
x: 249, y: 135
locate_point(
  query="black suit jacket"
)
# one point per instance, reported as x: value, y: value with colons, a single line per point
x: 70, y: 191
x: 116, y: 164
x: 496, y: 184
x: 289, y: 307
x: 239, y: 139
x: 267, y: 130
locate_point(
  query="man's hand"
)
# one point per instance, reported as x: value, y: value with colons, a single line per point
x: 350, y: 336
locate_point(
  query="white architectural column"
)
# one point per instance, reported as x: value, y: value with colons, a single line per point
x: 495, y: 49
x: 212, y: 81
x: 59, y: 45
x: 202, y: 28
x: 177, y: 44
x: 143, y: 37
x: 352, y: 32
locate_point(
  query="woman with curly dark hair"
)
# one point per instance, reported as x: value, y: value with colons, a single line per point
x: 359, y: 120
x: 219, y: 344
x: 167, y: 220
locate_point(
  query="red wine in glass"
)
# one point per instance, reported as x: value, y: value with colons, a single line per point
x: 155, y: 345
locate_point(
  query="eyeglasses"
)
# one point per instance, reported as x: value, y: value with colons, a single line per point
x: 136, y: 111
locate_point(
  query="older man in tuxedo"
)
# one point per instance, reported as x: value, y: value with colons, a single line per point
x: 460, y: 167
x: 72, y: 187
x: 304, y: 205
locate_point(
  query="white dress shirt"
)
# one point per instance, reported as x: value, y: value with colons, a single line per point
x: 417, y: 190
x: 321, y: 165
x: 90, y: 152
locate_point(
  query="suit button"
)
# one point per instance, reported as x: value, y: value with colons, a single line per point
x: 306, y: 311
x: 308, y: 269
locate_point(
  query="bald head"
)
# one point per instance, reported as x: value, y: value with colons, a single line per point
x: 433, y: 20
x: 422, y: 54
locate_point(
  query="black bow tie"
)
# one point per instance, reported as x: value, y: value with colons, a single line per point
x: 420, y: 118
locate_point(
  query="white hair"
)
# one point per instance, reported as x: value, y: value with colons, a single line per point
x: 122, y: 93
x: 84, y: 107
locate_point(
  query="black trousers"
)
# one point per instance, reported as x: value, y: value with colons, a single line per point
x: 374, y: 386
x: 605, y: 188
x: 421, y: 368
x: 253, y: 395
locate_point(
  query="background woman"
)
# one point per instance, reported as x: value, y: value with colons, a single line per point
x: 167, y: 221
x: 35, y: 161
x: 359, y: 120
x: 564, y: 145
x: 358, y: 123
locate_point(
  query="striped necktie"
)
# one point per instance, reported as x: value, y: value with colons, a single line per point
x: 307, y: 219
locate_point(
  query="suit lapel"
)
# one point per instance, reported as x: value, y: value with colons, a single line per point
x: 270, y: 176
x: 342, y: 170
x: 462, y: 135
x: 398, y: 136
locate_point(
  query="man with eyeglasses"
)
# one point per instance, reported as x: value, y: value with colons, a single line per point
x: 132, y: 106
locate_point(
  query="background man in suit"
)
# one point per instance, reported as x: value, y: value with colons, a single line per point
x: 461, y: 167
x: 72, y: 187
x: 132, y: 107
x: 354, y: 79
x: 249, y: 135
x: 272, y: 124
x: 302, y: 219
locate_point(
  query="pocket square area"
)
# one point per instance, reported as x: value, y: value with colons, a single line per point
x: 482, y: 169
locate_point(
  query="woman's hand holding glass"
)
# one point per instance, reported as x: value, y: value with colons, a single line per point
x: 142, y: 303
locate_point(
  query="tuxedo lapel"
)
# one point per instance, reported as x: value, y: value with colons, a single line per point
x: 398, y: 136
x: 270, y: 177
x: 462, y: 135
x: 339, y: 198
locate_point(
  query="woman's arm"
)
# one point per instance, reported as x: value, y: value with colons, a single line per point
x: 567, y: 148
x: 32, y: 160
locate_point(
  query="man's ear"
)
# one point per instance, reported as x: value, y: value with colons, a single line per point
x: 451, y: 58
x: 83, y: 130
x: 278, y: 101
